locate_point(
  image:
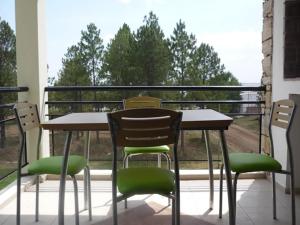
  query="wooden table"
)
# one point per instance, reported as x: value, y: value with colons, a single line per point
x: 204, y: 119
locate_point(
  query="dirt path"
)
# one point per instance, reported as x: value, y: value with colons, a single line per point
x: 241, y: 139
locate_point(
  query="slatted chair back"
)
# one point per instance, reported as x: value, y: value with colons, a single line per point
x: 282, y: 112
x: 141, y: 102
x: 144, y: 127
x: 27, y: 116
x: 282, y: 116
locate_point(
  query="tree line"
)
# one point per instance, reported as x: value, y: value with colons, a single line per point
x: 143, y: 57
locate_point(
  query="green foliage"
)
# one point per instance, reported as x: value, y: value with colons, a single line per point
x: 152, y: 53
x: 8, y: 76
x: 119, y: 64
x: 182, y: 47
x: 144, y: 57
x: 73, y: 73
x: 91, y: 50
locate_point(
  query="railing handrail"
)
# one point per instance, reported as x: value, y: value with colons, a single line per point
x: 163, y: 102
x: 13, y: 89
x: 148, y: 88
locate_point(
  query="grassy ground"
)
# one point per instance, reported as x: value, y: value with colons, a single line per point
x: 248, y: 122
x: 7, y: 180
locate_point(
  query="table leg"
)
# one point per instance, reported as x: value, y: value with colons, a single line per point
x: 228, y: 179
x: 85, y: 176
x: 210, y: 169
x: 61, y: 201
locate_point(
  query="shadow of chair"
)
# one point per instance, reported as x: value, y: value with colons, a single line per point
x: 282, y: 115
x: 28, y: 119
x: 145, y: 127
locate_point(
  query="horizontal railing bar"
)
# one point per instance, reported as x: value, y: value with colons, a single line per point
x: 228, y: 114
x: 141, y: 160
x: 4, y: 121
x: 161, y: 88
x: 244, y: 114
x: 5, y: 106
x: 13, y: 89
x: 163, y: 102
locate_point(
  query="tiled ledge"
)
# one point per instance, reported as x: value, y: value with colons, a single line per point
x: 184, y: 175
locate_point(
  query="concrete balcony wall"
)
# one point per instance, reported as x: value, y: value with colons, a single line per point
x: 32, y: 61
x: 282, y: 88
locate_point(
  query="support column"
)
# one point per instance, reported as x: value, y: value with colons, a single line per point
x: 267, y: 45
x: 32, y: 62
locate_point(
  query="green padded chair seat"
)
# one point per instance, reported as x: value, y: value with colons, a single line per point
x: 251, y: 162
x: 52, y: 165
x: 143, y: 150
x: 145, y: 180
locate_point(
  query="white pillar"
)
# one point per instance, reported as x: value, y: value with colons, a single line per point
x: 32, y: 61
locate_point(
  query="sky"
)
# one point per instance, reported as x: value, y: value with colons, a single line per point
x: 232, y: 27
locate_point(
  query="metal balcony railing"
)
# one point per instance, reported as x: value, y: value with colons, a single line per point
x: 79, y: 100
x: 9, y: 137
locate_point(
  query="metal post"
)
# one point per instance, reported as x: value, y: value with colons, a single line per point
x: 87, y: 157
x: 228, y: 178
x: 260, y: 133
x: 61, y: 201
x: 211, y: 171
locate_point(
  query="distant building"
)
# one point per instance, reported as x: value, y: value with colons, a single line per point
x: 250, y: 96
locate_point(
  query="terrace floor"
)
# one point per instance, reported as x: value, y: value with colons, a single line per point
x: 254, y: 203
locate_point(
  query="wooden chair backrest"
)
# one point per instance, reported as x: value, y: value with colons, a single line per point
x: 27, y: 116
x: 282, y: 113
x: 144, y: 127
x: 141, y: 102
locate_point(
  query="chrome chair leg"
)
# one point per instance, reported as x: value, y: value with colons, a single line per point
x: 173, y: 211
x: 169, y: 168
x: 210, y: 168
x: 168, y: 160
x: 221, y: 192
x: 159, y: 160
x: 177, y: 208
x: 76, y: 200
x: 89, y: 187
x: 37, y: 198
x: 125, y: 165
x: 293, y: 199
x: 236, y: 176
x: 114, y: 206
x: 18, y: 217
x: 274, y: 196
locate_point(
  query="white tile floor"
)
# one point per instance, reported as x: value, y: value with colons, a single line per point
x: 254, y: 204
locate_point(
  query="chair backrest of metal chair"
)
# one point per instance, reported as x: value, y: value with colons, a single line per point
x: 282, y: 113
x: 27, y: 116
x: 141, y: 102
x: 144, y: 127
x: 282, y: 117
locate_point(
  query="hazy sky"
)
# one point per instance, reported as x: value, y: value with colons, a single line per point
x: 232, y: 27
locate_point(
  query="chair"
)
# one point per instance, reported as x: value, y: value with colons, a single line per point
x: 28, y: 118
x: 281, y: 116
x: 145, y: 102
x: 145, y: 127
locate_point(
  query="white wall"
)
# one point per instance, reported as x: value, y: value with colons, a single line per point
x: 281, y: 88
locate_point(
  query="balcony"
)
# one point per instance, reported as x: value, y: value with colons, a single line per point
x: 254, y: 195
x: 254, y: 205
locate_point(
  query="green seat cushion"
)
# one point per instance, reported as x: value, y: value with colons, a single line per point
x: 53, y: 164
x: 252, y: 162
x: 145, y: 150
x: 145, y: 180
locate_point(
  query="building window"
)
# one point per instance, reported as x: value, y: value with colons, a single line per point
x: 292, y: 39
